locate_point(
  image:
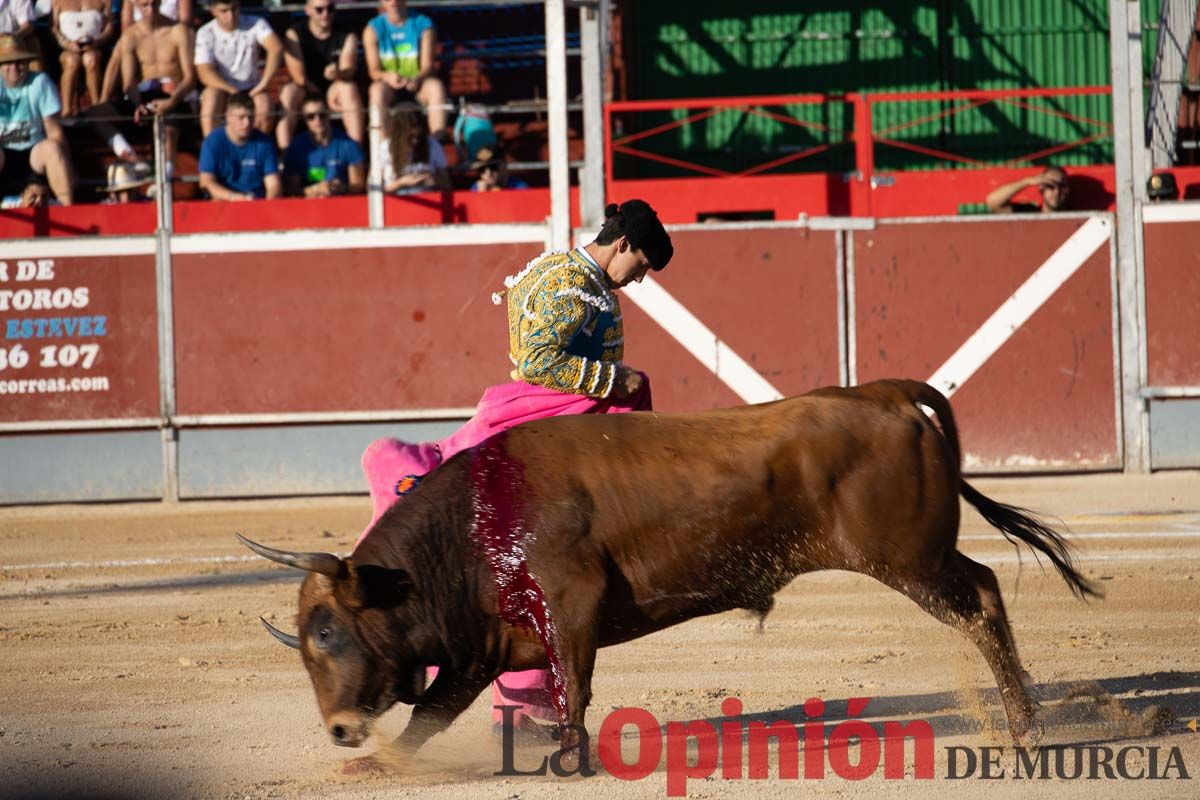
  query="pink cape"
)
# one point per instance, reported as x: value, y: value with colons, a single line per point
x: 393, y: 467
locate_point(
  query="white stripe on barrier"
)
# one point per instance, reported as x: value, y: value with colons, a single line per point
x: 83, y: 246
x: 1017, y: 309
x: 1171, y: 212
x: 702, y: 343
x: 357, y: 238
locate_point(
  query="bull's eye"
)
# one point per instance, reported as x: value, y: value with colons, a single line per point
x: 323, y: 634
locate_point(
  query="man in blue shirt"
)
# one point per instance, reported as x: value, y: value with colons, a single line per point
x: 322, y: 161
x: 238, y: 162
x: 31, y: 138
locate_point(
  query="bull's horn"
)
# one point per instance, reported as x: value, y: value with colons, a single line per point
x: 290, y: 640
x: 324, y: 563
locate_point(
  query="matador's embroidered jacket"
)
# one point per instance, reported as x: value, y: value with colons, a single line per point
x: 564, y: 325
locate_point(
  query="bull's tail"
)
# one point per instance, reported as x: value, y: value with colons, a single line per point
x: 1017, y: 524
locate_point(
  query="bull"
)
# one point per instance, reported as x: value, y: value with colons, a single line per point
x: 568, y: 534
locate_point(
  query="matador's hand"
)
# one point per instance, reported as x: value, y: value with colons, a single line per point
x: 628, y: 382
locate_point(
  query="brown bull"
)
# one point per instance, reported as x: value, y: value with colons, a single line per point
x: 572, y: 533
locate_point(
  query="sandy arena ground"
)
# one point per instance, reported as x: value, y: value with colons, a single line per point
x: 134, y: 664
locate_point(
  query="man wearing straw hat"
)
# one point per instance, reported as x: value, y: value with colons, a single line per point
x: 31, y: 138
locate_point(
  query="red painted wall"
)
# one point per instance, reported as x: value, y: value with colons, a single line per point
x: 1046, y: 398
x: 678, y: 201
x: 1172, y: 301
x: 345, y: 330
x: 770, y: 295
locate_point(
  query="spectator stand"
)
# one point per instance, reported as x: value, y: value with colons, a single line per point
x: 489, y: 55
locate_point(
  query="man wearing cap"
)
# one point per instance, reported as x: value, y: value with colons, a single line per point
x: 31, y: 138
x: 567, y: 343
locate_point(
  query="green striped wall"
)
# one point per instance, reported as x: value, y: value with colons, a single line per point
x: 707, y: 48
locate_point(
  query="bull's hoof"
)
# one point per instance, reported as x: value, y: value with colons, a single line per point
x: 528, y: 733
x: 360, y: 767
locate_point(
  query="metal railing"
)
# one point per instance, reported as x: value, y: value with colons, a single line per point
x: 858, y: 127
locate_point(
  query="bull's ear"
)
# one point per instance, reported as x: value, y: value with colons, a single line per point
x: 371, y: 586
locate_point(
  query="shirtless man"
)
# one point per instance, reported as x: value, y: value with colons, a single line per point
x: 174, y: 10
x: 82, y: 28
x: 157, y: 72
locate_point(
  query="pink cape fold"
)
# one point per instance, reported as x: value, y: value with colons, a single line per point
x: 387, y: 462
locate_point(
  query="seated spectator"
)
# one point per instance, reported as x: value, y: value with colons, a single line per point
x: 321, y: 57
x: 228, y: 50
x: 493, y: 172
x: 412, y: 161
x: 473, y: 131
x: 31, y: 137
x: 1053, y: 185
x: 399, y: 49
x: 16, y: 18
x: 322, y: 161
x: 158, y: 77
x: 81, y: 28
x: 36, y: 194
x: 125, y: 185
x: 238, y: 162
x: 174, y: 10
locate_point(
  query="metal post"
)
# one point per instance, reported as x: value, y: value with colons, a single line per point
x: 1125, y: 28
x: 593, y: 23
x: 375, y: 180
x: 166, y: 313
x: 864, y: 156
x: 556, y: 95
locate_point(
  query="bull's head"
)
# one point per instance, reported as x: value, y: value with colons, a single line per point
x: 352, y: 639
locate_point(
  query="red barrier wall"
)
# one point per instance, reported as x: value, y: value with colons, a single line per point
x: 769, y: 294
x: 80, y: 338
x: 1046, y: 398
x: 341, y: 330
x: 1172, y: 300
x: 678, y: 201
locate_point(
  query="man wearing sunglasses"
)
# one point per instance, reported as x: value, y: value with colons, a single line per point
x: 1052, y: 184
x: 321, y: 57
x: 322, y: 161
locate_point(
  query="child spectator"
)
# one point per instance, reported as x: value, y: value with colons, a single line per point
x: 228, y: 49
x: 36, y: 194
x: 493, y: 172
x: 321, y: 58
x: 238, y: 162
x: 31, y: 137
x: 81, y: 28
x: 322, y: 161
